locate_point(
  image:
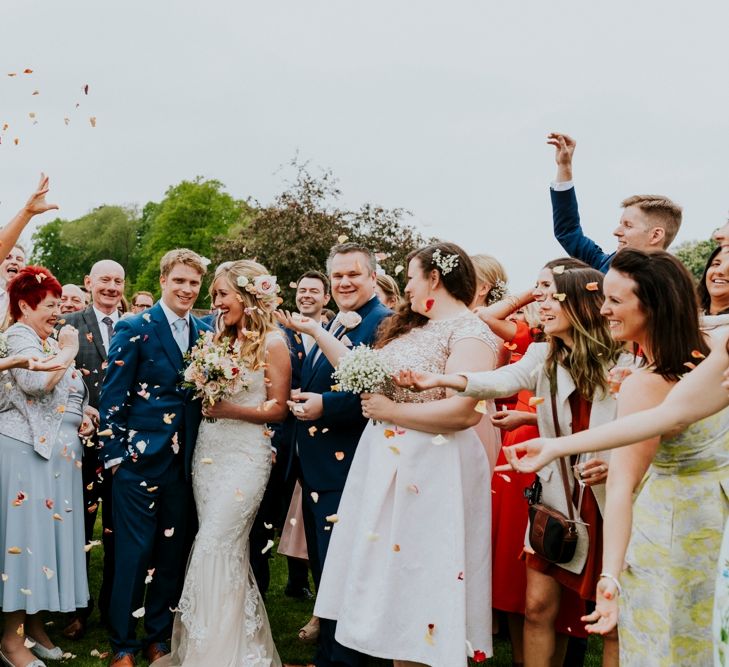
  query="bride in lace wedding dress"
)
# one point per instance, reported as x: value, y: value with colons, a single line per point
x: 221, y: 619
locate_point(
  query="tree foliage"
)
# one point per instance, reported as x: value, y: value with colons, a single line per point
x: 694, y: 255
x: 296, y: 232
x: 193, y: 214
x: 70, y: 247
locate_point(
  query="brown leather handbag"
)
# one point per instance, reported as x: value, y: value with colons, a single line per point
x: 552, y: 535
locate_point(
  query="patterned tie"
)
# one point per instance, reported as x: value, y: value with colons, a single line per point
x: 109, y: 331
x: 179, y: 331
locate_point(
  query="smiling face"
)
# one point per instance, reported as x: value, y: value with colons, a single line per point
x: 635, y: 230
x: 44, y: 317
x: 717, y: 281
x: 228, y: 302
x: 545, y: 280
x: 311, y: 297
x: 553, y: 317
x: 622, y: 308
x: 353, y: 282
x: 13, y: 262
x: 72, y: 299
x: 419, y: 288
x: 105, y: 283
x: 180, y: 288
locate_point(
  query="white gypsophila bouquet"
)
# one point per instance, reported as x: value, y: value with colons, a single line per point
x: 362, y: 370
x: 3, y: 346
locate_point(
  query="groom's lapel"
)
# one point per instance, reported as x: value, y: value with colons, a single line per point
x: 164, y: 333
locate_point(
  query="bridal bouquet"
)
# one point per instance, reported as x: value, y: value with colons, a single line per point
x: 216, y: 370
x: 362, y: 370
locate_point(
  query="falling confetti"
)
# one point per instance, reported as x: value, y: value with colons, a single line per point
x: 314, y: 496
x: 481, y: 407
x: 268, y: 546
x: 560, y: 296
x: 342, y: 238
x: 429, y: 304
x: 439, y: 440
x: 332, y: 518
x: 138, y: 613
x: 592, y: 287
x: 339, y: 456
x: 696, y: 354
x: 399, y: 268
x: 535, y: 400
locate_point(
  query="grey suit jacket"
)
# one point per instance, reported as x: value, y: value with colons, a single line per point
x: 91, y: 357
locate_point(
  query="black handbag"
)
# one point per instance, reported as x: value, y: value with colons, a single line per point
x: 552, y: 535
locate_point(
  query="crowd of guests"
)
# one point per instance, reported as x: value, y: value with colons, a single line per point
x: 599, y: 393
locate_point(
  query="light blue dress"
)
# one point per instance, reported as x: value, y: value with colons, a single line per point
x: 42, y: 557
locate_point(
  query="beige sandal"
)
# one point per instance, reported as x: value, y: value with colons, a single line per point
x: 310, y: 632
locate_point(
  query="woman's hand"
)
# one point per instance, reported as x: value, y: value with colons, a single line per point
x: 87, y: 428
x: 93, y: 414
x: 37, y: 204
x: 298, y: 322
x: 616, y: 377
x: 537, y: 453
x: 593, y: 472
x: 377, y: 407
x: 220, y: 410
x: 508, y: 420
x: 68, y: 339
x: 416, y: 380
x: 605, y: 617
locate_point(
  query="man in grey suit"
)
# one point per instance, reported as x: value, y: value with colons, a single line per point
x: 95, y: 327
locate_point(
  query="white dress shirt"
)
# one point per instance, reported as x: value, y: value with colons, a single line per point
x: 114, y: 315
x: 173, y: 317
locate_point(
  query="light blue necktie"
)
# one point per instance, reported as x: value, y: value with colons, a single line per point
x: 179, y: 331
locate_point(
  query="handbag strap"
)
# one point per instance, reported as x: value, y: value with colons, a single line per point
x: 562, y: 464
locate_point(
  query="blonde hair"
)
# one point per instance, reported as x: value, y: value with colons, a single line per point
x: 390, y: 288
x: 259, y: 319
x: 182, y: 256
x: 665, y: 213
x: 490, y: 270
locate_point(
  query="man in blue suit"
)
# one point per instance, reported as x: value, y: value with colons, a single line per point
x: 648, y: 222
x: 148, y: 430
x: 330, y: 423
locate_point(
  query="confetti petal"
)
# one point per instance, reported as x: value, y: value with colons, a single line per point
x: 399, y: 268
x: 592, y: 287
x: 268, y: 546
x: 314, y: 497
x: 439, y: 440
x: 481, y: 407
x: 697, y: 354
x: 342, y: 238
x: 535, y: 400
x: 429, y: 304
x: 138, y: 613
x: 559, y: 296
x: 339, y: 456
x: 558, y: 270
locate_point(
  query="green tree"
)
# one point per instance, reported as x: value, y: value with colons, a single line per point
x: 694, y: 255
x: 296, y: 232
x: 193, y: 214
x: 70, y: 247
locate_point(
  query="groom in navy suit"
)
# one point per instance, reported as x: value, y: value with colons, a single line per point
x: 148, y: 430
x: 330, y: 423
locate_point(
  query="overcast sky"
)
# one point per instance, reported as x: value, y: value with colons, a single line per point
x: 440, y: 107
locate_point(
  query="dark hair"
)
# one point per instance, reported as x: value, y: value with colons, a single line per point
x: 567, y: 262
x: 701, y: 289
x: 316, y: 275
x: 348, y: 248
x: 593, y: 351
x: 32, y: 284
x: 459, y: 282
x: 666, y: 293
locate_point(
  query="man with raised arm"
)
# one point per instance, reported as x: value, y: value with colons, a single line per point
x: 648, y: 222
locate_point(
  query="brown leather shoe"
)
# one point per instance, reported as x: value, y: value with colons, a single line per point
x: 76, y: 629
x: 155, y: 652
x: 123, y: 660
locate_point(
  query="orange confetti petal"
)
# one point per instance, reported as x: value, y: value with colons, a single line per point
x: 536, y: 400
x: 396, y: 548
x: 510, y: 346
x: 697, y: 354
x: 312, y: 430
x: 27, y: 71
x: 92, y: 120
x: 592, y: 287
x: 389, y: 433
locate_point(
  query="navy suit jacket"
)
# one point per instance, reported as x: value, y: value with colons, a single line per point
x: 284, y: 432
x: 340, y: 427
x: 141, y: 399
x: 568, y: 231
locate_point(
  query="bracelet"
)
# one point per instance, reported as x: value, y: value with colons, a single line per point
x: 607, y: 575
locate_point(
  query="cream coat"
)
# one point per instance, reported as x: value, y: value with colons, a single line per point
x: 529, y: 373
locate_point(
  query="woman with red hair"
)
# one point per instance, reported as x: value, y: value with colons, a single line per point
x: 41, y: 496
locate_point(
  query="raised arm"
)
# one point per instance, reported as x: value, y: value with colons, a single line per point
x: 495, y: 315
x: 35, y: 205
x: 678, y: 410
x: 332, y: 348
x: 565, y: 212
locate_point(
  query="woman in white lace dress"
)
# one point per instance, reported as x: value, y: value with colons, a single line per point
x: 221, y: 618
x: 408, y: 572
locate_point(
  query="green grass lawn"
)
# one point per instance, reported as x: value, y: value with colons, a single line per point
x: 286, y: 616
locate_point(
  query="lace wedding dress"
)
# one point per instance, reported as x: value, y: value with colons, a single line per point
x: 221, y: 619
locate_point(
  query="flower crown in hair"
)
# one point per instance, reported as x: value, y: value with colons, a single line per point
x: 497, y: 292
x: 446, y: 263
x: 264, y: 288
